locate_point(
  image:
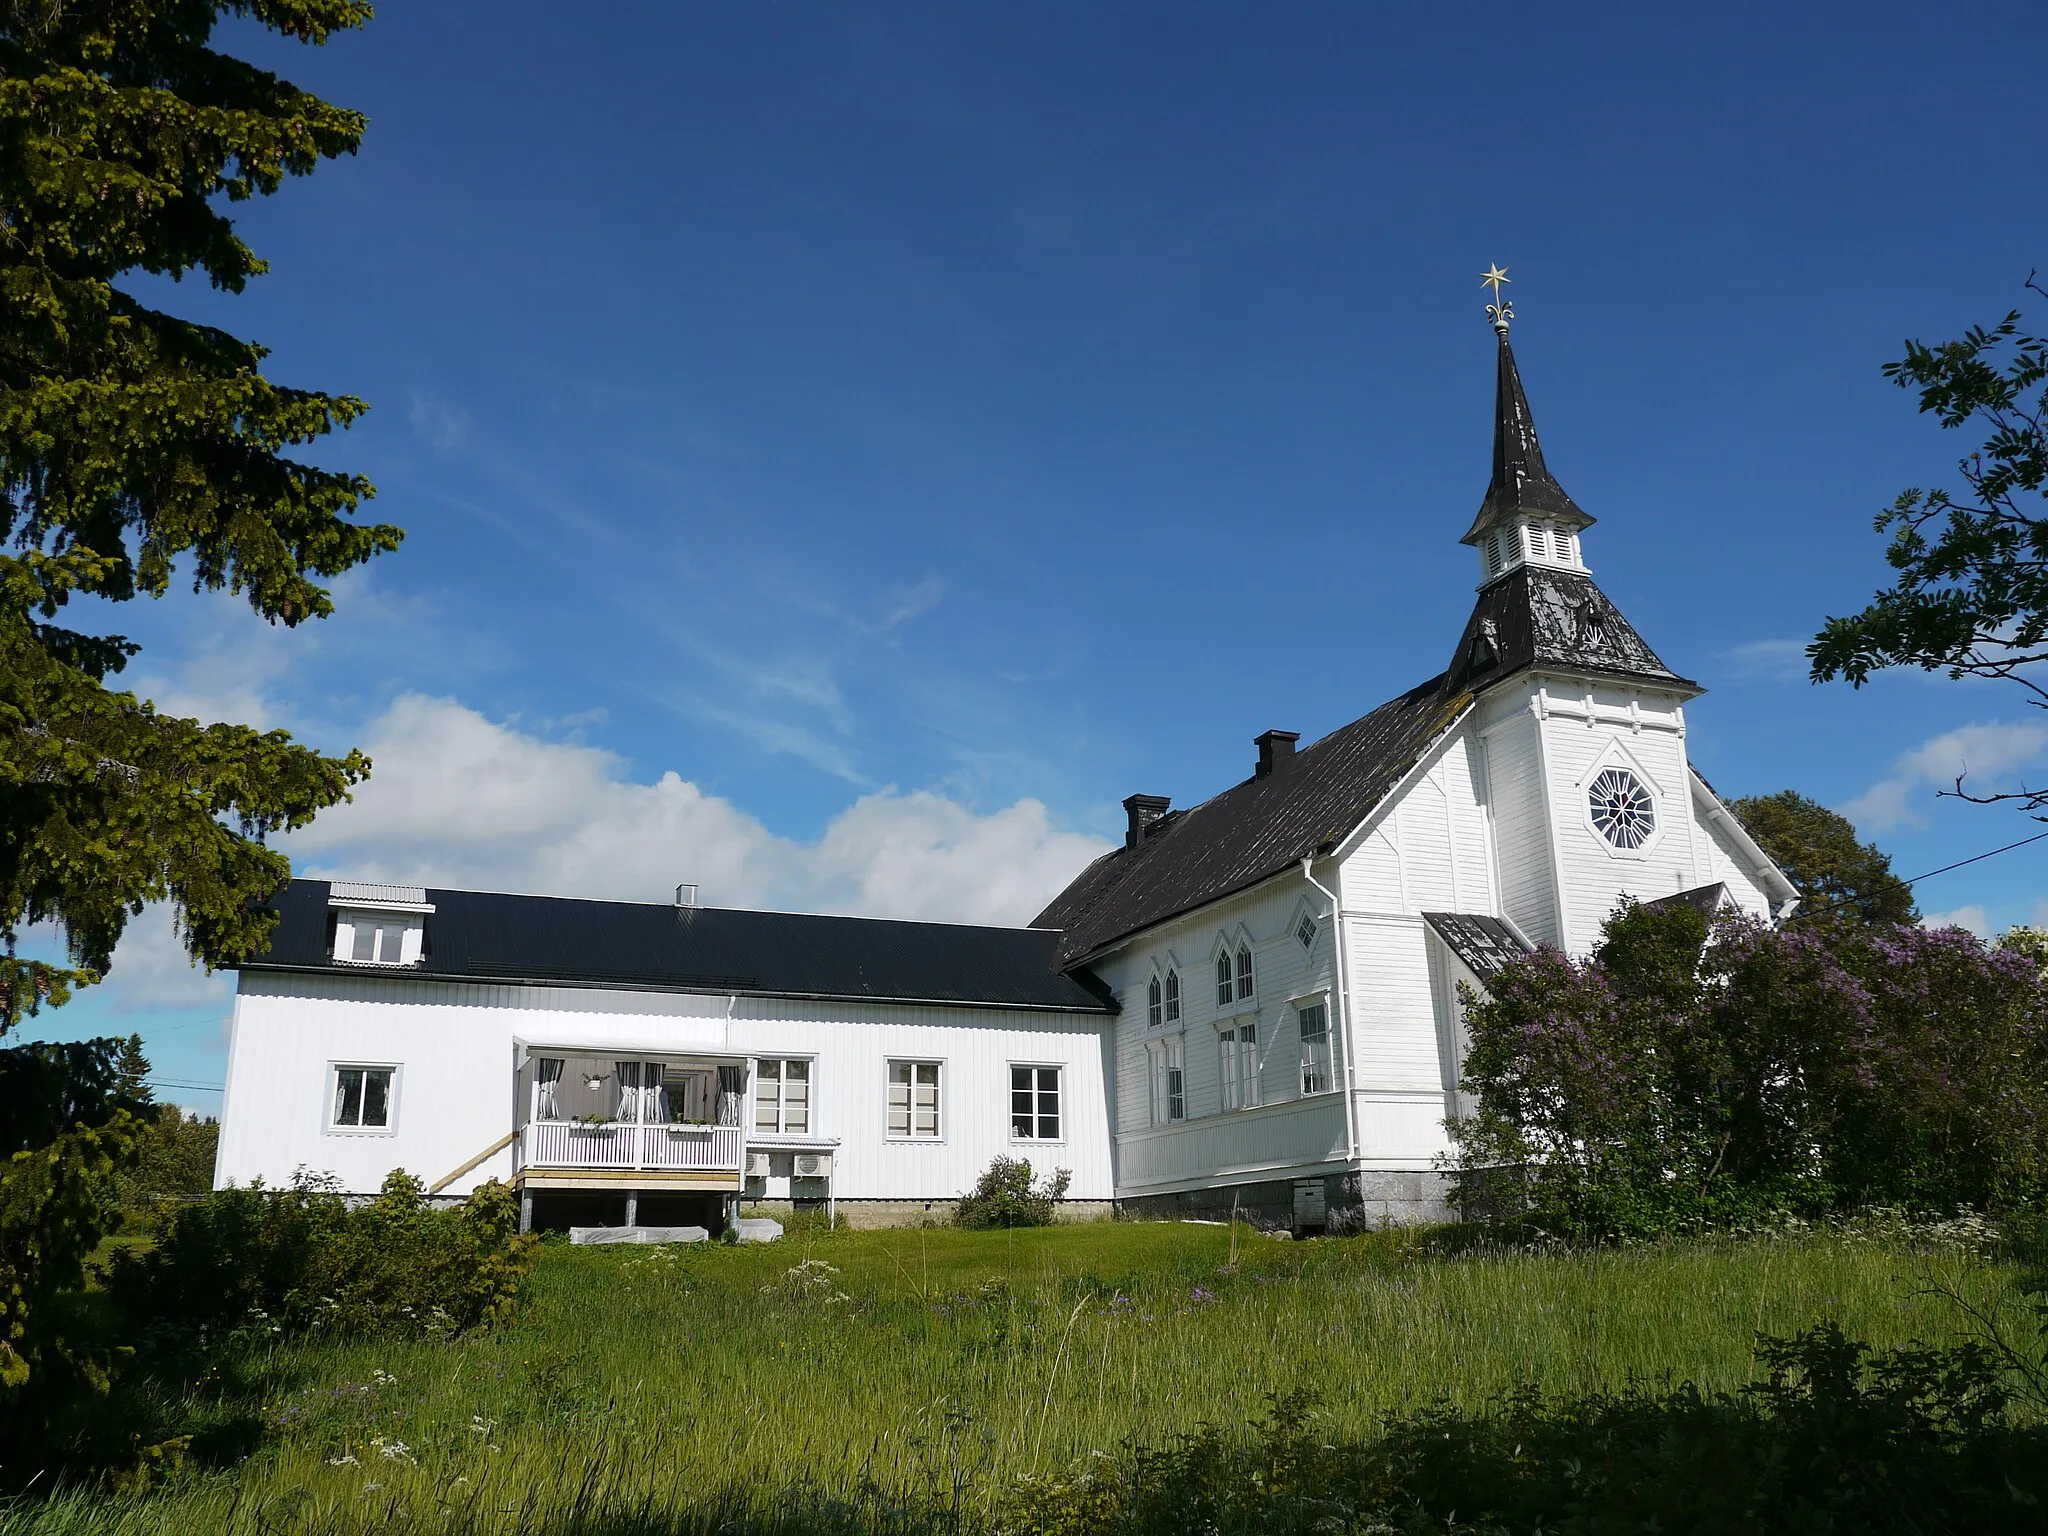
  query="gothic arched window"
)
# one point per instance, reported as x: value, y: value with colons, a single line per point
x: 1223, y: 990
x: 1152, y: 1002
x: 1173, y: 997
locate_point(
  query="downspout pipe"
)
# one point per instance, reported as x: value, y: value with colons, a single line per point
x: 1343, y: 1009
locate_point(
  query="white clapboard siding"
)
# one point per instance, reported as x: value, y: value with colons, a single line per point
x: 1287, y: 975
x: 1722, y: 859
x: 455, y: 1045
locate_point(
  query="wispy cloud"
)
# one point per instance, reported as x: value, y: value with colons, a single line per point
x: 909, y: 602
x: 1971, y: 917
x: 443, y: 426
x: 1767, y: 661
x: 1986, y: 755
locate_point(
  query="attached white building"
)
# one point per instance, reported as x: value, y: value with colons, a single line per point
x: 1252, y: 1004
x: 682, y: 1056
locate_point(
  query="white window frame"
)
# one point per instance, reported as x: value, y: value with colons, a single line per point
x: 1173, y: 997
x: 1236, y: 950
x: 1154, y: 1007
x: 911, y: 1137
x: 335, y: 1127
x: 1305, y: 918
x: 1238, y: 1064
x: 1662, y: 802
x: 405, y: 930
x: 782, y: 1126
x: 1167, y: 1072
x: 1322, y: 1058
x: 1036, y: 1113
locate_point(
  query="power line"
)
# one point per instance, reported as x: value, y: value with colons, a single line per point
x: 1978, y: 858
x: 172, y: 1082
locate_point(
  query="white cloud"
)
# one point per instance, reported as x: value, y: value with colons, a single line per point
x: 1972, y: 917
x: 459, y: 800
x: 1987, y: 752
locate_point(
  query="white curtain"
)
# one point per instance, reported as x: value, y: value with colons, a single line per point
x: 547, y: 1077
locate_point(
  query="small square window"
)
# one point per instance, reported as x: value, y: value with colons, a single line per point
x: 362, y: 1098
x: 1305, y: 932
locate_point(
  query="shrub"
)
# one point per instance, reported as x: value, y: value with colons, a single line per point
x: 1004, y: 1196
x: 1668, y: 1081
x: 299, y: 1259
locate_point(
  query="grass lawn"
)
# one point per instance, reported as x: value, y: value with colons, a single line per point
x: 946, y: 1362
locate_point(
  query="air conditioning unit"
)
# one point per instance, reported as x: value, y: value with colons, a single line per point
x: 813, y: 1165
x: 757, y: 1165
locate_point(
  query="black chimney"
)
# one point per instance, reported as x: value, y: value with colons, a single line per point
x: 1276, y: 748
x: 1143, y: 810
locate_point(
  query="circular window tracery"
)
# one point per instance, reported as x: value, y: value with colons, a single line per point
x: 1622, y: 808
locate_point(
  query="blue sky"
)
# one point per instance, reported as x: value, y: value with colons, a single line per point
x: 846, y: 451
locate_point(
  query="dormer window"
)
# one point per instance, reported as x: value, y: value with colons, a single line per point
x: 377, y: 941
x: 378, y: 924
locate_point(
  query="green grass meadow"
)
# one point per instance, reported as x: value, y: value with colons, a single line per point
x: 676, y: 1386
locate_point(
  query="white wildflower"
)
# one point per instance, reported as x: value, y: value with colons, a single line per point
x: 342, y: 1461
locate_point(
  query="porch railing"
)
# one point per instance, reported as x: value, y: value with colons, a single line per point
x: 571, y: 1144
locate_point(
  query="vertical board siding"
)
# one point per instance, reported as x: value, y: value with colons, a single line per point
x: 1528, y: 891
x: 1597, y: 877
x: 456, y: 1046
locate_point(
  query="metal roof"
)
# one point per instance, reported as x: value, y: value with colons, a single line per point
x: 1536, y: 616
x: 561, y: 941
x: 1484, y: 943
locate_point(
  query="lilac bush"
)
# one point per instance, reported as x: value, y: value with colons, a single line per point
x: 1691, y: 1074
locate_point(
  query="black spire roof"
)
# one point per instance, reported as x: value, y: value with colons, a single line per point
x: 1522, y: 485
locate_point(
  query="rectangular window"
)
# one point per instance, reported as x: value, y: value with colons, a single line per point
x: 782, y: 1096
x: 1169, y: 1082
x: 1240, y: 1066
x: 376, y: 941
x: 1315, y: 1048
x: 1035, y: 1103
x: 914, y: 1100
x: 362, y: 1098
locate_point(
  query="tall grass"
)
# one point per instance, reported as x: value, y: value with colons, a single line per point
x: 676, y: 1387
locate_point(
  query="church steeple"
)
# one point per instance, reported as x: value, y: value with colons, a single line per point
x: 1526, y: 515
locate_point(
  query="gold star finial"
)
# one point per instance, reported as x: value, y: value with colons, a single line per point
x: 1500, y: 311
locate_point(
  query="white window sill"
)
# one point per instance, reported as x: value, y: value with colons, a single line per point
x: 362, y: 1130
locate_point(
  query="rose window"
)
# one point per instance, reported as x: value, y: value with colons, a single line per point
x: 1622, y: 808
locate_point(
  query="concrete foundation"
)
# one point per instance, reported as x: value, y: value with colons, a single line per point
x: 866, y: 1215
x: 1359, y: 1201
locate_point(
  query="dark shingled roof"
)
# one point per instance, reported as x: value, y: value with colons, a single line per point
x: 1531, y: 617
x: 1253, y: 830
x: 1484, y: 943
x: 1707, y: 900
x: 1522, y: 484
x: 556, y: 941
x: 1535, y: 616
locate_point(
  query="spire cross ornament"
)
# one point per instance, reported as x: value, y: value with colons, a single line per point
x: 1500, y: 311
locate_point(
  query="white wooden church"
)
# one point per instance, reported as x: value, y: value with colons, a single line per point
x: 1252, y: 1003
